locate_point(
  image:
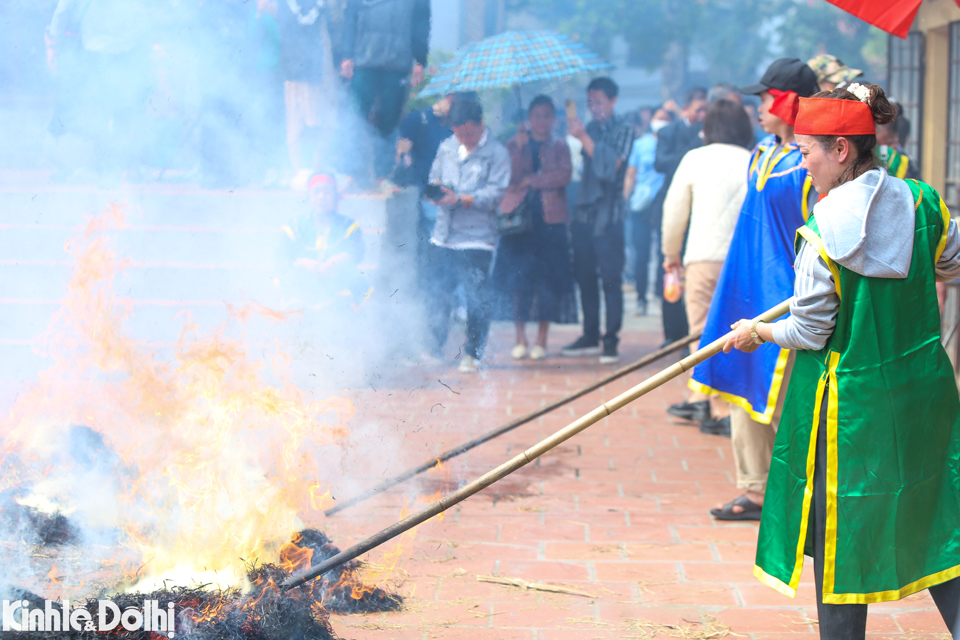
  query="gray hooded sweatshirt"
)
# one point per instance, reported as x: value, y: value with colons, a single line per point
x: 867, y: 225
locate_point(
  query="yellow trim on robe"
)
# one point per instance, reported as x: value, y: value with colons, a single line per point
x: 810, y: 236
x: 805, y: 202
x: 351, y: 229
x: 791, y: 589
x: 894, y: 594
x: 830, y: 543
x: 780, y: 174
x: 904, y: 166
x: 916, y: 205
x: 767, y: 416
x: 767, y: 166
x: 773, y: 583
x: 946, y: 227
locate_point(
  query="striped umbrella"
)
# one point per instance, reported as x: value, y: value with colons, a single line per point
x: 514, y: 58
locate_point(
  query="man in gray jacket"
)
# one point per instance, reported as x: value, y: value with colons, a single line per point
x: 473, y: 172
x: 382, y: 43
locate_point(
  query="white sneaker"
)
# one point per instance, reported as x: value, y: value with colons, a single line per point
x: 468, y: 364
x: 519, y: 352
x: 538, y: 353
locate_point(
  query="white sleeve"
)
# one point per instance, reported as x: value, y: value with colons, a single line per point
x: 948, y: 267
x: 813, y: 312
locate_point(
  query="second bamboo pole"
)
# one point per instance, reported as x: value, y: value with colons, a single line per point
x: 526, y: 457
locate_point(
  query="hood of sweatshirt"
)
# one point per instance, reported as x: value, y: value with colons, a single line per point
x: 867, y: 225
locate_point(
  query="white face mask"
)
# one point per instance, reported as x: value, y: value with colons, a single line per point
x: 656, y: 125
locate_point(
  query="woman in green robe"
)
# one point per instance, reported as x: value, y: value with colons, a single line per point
x: 865, y: 475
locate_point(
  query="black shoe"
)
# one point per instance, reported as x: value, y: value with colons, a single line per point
x: 692, y: 411
x: 641, y: 307
x: 720, y: 427
x: 582, y: 346
x: 609, y: 355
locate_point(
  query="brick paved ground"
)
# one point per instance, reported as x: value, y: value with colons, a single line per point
x: 619, y: 512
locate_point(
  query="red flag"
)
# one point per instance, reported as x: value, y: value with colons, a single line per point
x: 893, y: 16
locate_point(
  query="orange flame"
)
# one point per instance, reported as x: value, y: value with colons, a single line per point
x: 220, y: 463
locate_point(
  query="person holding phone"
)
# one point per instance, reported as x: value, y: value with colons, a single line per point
x: 469, y: 176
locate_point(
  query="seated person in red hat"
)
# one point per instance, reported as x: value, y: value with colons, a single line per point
x: 323, y: 250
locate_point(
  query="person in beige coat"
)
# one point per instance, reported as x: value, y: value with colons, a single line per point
x: 701, y: 209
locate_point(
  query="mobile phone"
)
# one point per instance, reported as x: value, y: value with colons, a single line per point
x: 433, y: 192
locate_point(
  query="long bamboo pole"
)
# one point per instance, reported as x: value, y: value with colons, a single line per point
x: 526, y: 457
x: 513, y: 424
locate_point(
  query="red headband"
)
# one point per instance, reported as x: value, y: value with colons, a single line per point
x: 321, y: 178
x: 834, y: 117
x: 784, y: 105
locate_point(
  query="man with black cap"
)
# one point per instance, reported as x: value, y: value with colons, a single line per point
x: 758, y: 274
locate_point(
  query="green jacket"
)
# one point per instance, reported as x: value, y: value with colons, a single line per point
x: 893, y: 436
x: 897, y: 164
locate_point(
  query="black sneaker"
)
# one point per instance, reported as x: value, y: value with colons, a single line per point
x: 609, y: 355
x: 692, y: 411
x: 581, y: 347
x: 720, y: 427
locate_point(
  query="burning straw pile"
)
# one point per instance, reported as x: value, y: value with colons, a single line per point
x: 261, y: 612
x: 173, y: 469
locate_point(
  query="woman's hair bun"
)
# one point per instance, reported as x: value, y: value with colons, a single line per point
x: 884, y: 111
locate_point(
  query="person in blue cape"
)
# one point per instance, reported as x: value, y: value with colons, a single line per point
x: 758, y: 274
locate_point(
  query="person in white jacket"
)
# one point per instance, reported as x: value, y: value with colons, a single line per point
x: 701, y: 210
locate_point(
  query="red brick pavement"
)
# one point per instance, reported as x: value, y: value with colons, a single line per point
x: 619, y: 512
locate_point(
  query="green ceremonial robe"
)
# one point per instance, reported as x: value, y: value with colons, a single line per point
x: 893, y: 436
x: 897, y: 163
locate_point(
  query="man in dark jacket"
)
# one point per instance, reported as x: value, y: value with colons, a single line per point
x: 382, y: 43
x: 673, y: 142
x: 597, y: 229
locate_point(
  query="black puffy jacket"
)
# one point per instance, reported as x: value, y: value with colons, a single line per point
x: 386, y: 34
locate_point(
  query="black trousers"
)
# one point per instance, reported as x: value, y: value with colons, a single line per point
x: 599, y: 257
x: 379, y: 96
x: 643, y: 235
x: 849, y: 621
x: 471, y: 269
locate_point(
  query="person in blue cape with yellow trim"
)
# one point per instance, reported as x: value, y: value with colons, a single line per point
x: 865, y: 474
x: 758, y: 274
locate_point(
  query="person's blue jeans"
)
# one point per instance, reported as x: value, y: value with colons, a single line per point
x: 469, y: 268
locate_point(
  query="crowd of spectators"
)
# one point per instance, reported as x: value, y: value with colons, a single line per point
x: 518, y: 231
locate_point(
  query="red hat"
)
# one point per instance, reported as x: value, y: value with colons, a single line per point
x: 785, y: 105
x: 834, y: 117
x: 321, y: 178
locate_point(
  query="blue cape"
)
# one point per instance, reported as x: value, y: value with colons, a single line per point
x: 757, y: 275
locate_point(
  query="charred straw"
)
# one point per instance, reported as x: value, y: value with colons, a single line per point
x: 264, y: 612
